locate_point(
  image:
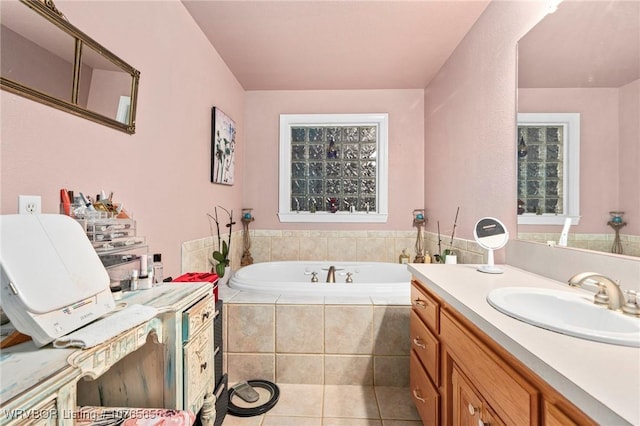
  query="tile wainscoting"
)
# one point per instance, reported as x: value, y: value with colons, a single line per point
x: 597, y: 242
x: 315, y: 340
x: 365, y: 246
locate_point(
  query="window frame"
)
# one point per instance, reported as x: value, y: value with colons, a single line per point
x: 571, y: 164
x: 381, y: 121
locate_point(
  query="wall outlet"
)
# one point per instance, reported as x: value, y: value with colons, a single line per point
x: 29, y: 204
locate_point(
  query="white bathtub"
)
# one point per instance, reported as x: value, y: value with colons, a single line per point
x: 294, y: 278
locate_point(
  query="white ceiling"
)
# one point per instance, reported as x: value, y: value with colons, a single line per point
x: 335, y: 44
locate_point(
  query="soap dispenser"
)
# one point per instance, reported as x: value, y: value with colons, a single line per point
x: 404, y: 257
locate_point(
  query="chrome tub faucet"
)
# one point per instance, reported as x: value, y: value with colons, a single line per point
x: 331, y: 274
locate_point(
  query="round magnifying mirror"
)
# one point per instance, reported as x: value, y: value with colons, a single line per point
x: 490, y: 234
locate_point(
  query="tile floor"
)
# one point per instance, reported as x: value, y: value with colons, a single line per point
x: 336, y: 405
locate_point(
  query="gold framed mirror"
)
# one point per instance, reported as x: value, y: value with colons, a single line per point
x: 46, y: 59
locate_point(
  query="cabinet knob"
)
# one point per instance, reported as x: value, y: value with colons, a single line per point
x: 419, y: 343
x: 472, y: 410
x: 417, y: 396
x: 205, y: 315
x: 420, y: 303
x: 203, y: 366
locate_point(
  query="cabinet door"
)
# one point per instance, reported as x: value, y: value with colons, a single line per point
x: 469, y: 409
x: 467, y: 405
x: 554, y: 417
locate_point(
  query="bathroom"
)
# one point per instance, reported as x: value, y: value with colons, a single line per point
x: 451, y: 142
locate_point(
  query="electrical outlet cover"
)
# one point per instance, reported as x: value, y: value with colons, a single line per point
x: 29, y: 204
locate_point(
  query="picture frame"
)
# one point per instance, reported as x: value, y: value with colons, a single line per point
x: 223, y: 146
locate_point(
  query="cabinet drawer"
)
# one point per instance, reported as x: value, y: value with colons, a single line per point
x: 426, y: 347
x: 426, y: 307
x: 198, y: 368
x: 424, y: 394
x: 514, y: 400
x: 44, y: 414
x: 197, y: 316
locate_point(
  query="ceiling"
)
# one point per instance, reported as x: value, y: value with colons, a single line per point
x: 335, y: 44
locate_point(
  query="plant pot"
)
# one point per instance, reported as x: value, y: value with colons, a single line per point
x: 227, y: 276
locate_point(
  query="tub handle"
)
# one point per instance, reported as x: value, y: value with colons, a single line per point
x: 417, y: 396
x: 419, y: 343
x: 420, y: 303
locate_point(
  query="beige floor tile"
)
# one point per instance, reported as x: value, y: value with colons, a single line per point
x: 291, y: 421
x: 396, y: 403
x: 242, y: 421
x: 350, y: 402
x: 327, y: 421
x: 299, y: 400
x: 401, y: 423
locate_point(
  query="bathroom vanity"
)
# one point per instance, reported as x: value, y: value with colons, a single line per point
x: 166, y: 362
x: 471, y: 364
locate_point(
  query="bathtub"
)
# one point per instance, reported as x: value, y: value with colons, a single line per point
x: 294, y: 278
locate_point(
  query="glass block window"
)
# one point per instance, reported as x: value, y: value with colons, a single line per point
x: 548, y: 168
x: 333, y: 168
x: 541, y: 168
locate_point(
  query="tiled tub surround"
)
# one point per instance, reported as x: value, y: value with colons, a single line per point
x: 361, y: 246
x: 316, y: 340
x: 597, y: 242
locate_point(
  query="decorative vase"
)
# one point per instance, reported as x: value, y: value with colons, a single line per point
x: 227, y: 276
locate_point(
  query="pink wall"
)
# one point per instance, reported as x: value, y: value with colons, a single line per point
x: 406, y: 145
x: 470, y: 123
x: 599, y: 146
x: 162, y: 172
x: 629, y: 177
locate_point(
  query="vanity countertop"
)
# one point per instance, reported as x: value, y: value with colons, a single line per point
x: 601, y: 379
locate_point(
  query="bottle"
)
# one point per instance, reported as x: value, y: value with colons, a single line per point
x: 157, y: 269
x: 427, y: 258
x: 404, y: 257
x: 134, y: 280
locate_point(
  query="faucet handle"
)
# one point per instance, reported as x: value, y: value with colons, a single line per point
x: 314, y: 277
x: 631, y: 306
x: 349, y: 278
x: 601, y: 298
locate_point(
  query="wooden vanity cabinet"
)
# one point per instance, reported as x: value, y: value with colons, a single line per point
x: 424, y: 363
x: 460, y: 376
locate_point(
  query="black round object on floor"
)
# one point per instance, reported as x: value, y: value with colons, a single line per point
x: 273, y: 389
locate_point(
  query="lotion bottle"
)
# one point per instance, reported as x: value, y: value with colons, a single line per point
x: 404, y: 257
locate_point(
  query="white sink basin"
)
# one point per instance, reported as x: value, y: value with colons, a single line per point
x: 566, y: 312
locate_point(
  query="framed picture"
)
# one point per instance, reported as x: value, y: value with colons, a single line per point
x: 223, y: 147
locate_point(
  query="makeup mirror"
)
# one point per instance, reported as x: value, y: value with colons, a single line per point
x: 46, y: 59
x: 490, y: 234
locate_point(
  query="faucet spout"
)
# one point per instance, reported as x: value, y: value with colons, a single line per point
x: 331, y: 274
x: 611, y: 288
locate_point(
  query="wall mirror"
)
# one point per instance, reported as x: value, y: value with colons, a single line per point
x: 46, y: 59
x: 584, y: 58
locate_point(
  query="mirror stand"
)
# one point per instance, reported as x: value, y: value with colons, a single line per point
x: 490, y: 234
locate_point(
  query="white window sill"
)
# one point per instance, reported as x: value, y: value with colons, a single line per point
x: 338, y: 217
x: 545, y: 219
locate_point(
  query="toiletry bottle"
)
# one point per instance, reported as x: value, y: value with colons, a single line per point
x: 134, y: 280
x: 427, y: 257
x: 157, y: 269
x: 404, y: 257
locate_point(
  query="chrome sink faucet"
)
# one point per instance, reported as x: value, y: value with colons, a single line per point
x: 611, y: 296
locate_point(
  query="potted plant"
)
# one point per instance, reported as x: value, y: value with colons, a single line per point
x: 221, y: 256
